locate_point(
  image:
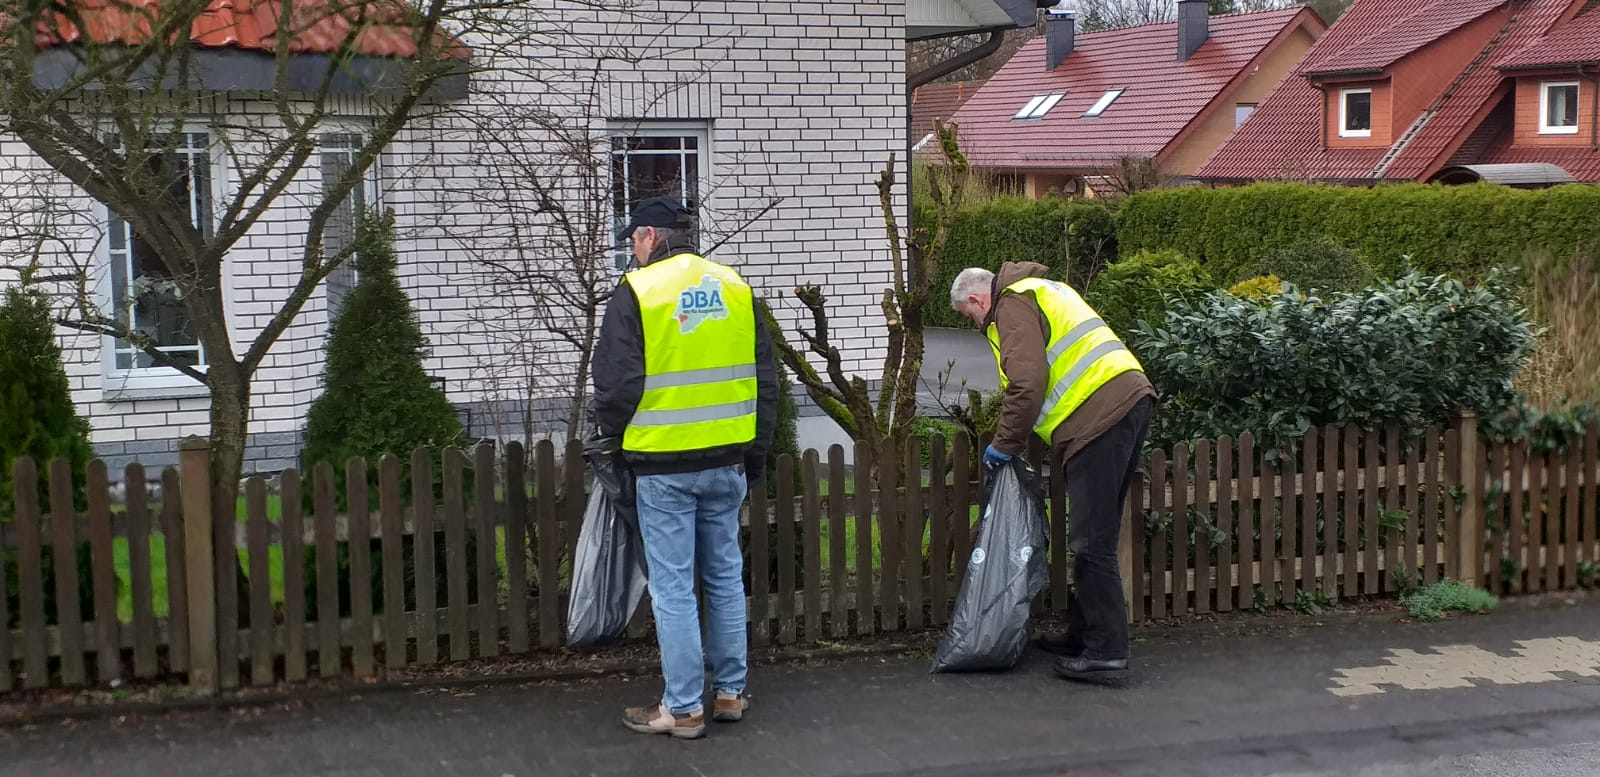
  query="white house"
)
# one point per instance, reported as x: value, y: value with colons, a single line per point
x: 774, y: 117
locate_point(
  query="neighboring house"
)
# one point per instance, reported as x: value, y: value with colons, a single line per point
x: 1072, y: 107
x: 1434, y: 90
x: 932, y: 103
x: 799, y: 108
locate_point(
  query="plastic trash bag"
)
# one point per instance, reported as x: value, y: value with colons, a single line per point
x: 989, y: 627
x: 608, y: 569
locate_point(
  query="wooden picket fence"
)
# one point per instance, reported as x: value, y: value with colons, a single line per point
x: 1216, y: 527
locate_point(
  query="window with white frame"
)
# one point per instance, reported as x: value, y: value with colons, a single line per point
x: 337, y: 152
x: 1241, y: 113
x: 653, y: 160
x: 1558, y: 108
x: 1038, y: 106
x: 143, y: 292
x: 1103, y: 103
x: 1355, y: 113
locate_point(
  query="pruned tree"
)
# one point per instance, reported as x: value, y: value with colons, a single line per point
x: 848, y: 399
x: 1133, y: 174
x: 120, y: 100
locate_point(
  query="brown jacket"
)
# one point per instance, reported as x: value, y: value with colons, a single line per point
x: 1024, y: 331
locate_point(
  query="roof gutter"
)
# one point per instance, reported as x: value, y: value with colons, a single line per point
x: 965, y: 58
x: 1345, y: 73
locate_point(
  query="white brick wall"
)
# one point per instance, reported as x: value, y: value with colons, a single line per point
x: 803, y: 101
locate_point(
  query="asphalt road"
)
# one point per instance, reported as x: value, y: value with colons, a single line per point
x: 1252, y: 695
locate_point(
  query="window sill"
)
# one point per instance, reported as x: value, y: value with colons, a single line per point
x: 1558, y: 131
x: 1355, y: 135
x: 134, y: 393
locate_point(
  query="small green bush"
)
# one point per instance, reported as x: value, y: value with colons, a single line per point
x: 924, y: 429
x: 1552, y: 430
x: 1141, y: 287
x: 1258, y: 289
x: 1462, y: 231
x: 37, y: 417
x: 1408, y: 353
x: 1316, y: 264
x: 1430, y: 603
x: 376, y: 397
x: 1091, y: 241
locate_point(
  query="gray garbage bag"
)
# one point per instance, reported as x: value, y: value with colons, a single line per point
x: 989, y: 627
x: 608, y: 570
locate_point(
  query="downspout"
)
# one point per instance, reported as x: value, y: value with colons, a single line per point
x: 1594, y: 115
x: 1323, y: 131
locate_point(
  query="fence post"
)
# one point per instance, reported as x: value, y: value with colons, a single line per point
x: 194, y: 472
x: 1470, y: 531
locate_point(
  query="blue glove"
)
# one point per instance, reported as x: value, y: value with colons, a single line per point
x: 993, y: 458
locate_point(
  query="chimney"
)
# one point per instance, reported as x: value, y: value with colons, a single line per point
x: 1194, y: 27
x: 1060, y: 35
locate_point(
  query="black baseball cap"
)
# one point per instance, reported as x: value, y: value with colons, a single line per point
x: 660, y: 212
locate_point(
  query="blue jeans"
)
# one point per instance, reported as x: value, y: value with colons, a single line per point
x: 687, y: 517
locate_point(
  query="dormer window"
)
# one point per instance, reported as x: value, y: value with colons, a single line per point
x: 1355, y: 113
x: 1038, y: 106
x: 1103, y: 103
x: 1558, y: 108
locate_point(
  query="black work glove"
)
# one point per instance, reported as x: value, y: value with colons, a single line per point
x: 755, y: 468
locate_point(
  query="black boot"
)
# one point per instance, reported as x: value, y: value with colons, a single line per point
x: 1061, y: 643
x: 1082, y: 668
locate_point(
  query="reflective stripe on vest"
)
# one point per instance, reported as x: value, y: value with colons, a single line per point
x: 698, y: 320
x: 1083, y: 353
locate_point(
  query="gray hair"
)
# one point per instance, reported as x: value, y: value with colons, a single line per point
x: 973, y: 280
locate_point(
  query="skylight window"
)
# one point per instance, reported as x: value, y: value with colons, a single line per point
x: 1103, y: 103
x: 1038, y: 106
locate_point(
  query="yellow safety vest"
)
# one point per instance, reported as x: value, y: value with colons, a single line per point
x: 1083, y: 352
x: 699, y: 357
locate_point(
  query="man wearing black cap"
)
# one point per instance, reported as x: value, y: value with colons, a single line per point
x: 684, y: 374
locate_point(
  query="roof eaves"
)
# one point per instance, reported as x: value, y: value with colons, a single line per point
x: 1546, y: 66
x: 1346, y: 73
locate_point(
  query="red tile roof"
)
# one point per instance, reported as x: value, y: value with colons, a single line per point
x: 1479, y: 84
x: 320, y: 26
x: 1162, y: 95
x: 1283, y: 138
x: 1576, y: 42
x: 1386, y: 45
x: 938, y: 101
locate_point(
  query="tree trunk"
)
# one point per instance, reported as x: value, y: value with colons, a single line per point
x: 910, y: 376
x: 580, y: 383
x: 230, y: 415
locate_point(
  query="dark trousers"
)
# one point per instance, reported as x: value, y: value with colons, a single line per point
x: 1097, y: 486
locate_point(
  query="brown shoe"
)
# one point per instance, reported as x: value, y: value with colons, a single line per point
x: 655, y: 719
x: 729, y: 707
